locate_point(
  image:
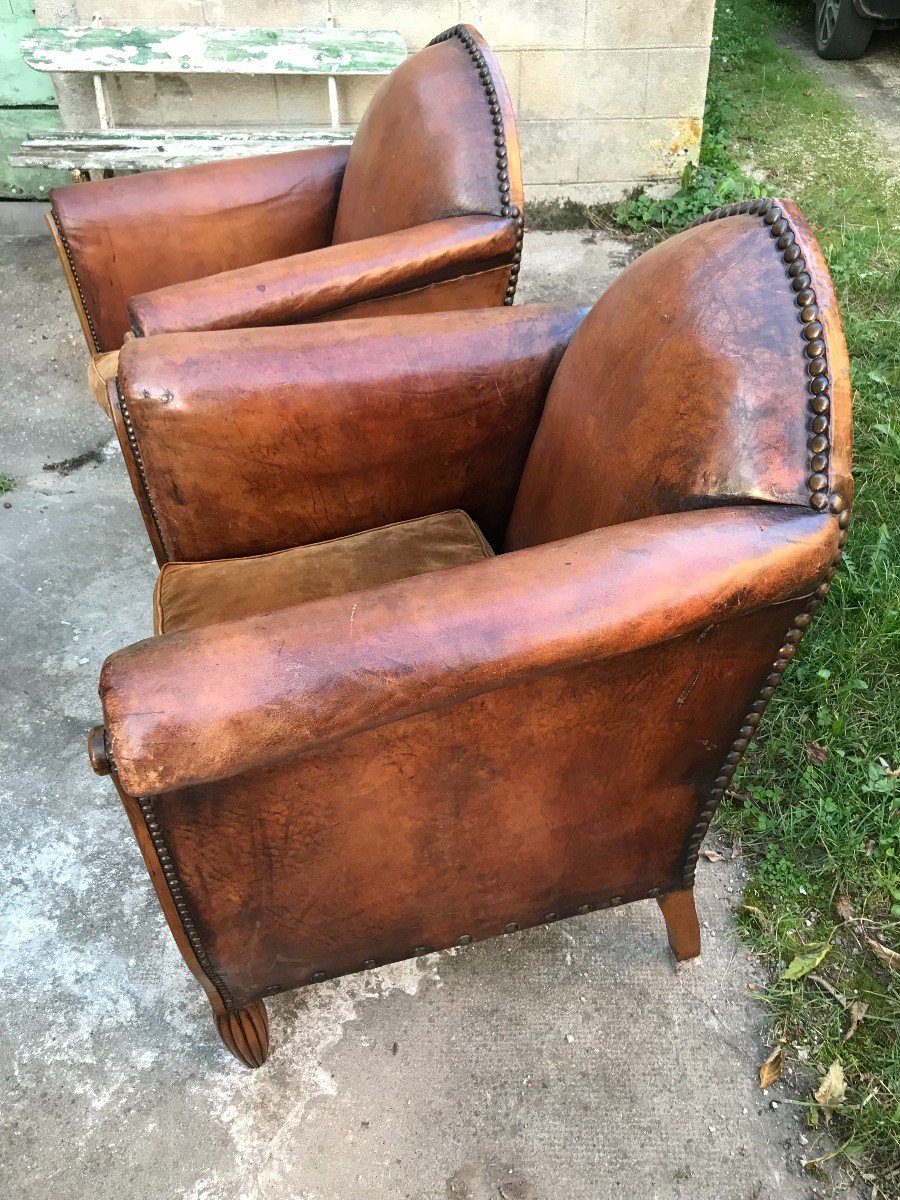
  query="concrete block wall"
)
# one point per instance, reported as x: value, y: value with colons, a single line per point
x: 609, y: 93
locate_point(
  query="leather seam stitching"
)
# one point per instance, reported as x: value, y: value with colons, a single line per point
x: 176, y: 890
x: 87, y: 314
x: 139, y: 465
x: 502, y: 150
x: 819, y: 383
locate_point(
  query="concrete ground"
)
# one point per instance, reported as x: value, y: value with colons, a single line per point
x: 572, y: 1062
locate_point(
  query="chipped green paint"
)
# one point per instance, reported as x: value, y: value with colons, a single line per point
x: 149, y: 149
x: 193, y: 49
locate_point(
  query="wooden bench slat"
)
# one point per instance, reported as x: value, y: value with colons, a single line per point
x: 209, y: 50
x: 146, y: 149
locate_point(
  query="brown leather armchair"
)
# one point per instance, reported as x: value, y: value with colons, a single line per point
x: 514, y: 592
x: 422, y: 214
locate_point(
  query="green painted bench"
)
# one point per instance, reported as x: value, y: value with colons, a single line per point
x: 187, y: 50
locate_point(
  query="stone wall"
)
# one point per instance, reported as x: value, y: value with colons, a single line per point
x: 609, y: 93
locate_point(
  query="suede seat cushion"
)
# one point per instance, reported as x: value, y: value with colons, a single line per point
x: 189, y: 595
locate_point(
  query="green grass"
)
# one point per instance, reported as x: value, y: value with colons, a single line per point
x: 817, y: 830
x: 7, y: 483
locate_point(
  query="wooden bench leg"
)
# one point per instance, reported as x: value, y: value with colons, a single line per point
x: 245, y: 1031
x: 682, y: 926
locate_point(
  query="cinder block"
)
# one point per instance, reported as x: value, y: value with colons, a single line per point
x: 623, y: 151
x: 581, y: 193
x: 162, y: 100
x: 510, y: 64
x: 676, y: 82
x: 355, y: 94
x: 418, y: 23
x: 302, y: 100
x: 260, y: 14
x: 582, y: 84
x: 526, y: 24
x: 128, y: 12
x: 549, y: 151
x: 617, y: 23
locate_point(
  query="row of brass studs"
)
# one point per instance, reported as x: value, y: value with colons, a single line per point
x: 178, y: 899
x: 506, y: 209
x: 84, y: 307
x: 139, y: 463
x: 466, y: 939
x: 818, y: 447
x: 814, y: 346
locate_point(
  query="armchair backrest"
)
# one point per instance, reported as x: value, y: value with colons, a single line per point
x: 712, y: 372
x: 437, y: 140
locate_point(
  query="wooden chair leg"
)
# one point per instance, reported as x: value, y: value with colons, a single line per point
x: 682, y: 926
x: 245, y: 1031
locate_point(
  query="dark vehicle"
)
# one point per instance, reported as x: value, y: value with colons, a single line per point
x: 843, y: 27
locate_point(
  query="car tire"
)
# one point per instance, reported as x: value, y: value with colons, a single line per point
x: 840, y: 31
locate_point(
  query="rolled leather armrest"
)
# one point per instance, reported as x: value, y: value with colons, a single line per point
x: 197, y: 706
x: 138, y: 232
x: 308, y: 285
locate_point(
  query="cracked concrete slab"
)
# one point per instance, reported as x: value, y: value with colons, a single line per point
x: 572, y: 1062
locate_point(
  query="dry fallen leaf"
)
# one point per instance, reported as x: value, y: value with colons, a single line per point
x: 870, y: 846
x: 807, y: 91
x: 770, y: 1071
x: 845, y: 909
x: 713, y: 856
x: 816, y: 752
x: 858, y: 1010
x: 889, y: 957
x: 803, y: 963
x: 832, y: 1090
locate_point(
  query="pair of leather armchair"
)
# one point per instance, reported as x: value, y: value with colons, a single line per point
x: 423, y: 213
x: 464, y: 618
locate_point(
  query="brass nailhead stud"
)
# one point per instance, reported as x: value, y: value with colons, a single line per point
x: 419, y: 950
x: 818, y: 501
x: 837, y: 503
x: 616, y: 900
x: 653, y: 893
x: 583, y: 908
x: 512, y: 927
x: 551, y: 916
x: 369, y: 964
x: 814, y: 329
x: 464, y: 939
x: 317, y: 977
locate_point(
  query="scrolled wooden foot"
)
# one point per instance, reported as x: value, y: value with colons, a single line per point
x: 245, y: 1031
x: 682, y: 926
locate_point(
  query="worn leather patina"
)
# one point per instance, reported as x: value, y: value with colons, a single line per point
x: 430, y: 758
x: 422, y: 213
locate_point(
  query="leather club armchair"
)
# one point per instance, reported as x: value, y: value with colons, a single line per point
x: 422, y: 213
x: 511, y: 599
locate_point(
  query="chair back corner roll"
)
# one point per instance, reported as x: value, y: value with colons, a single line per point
x: 443, y: 124
x: 680, y: 389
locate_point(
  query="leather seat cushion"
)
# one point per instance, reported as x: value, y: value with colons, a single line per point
x: 189, y: 595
